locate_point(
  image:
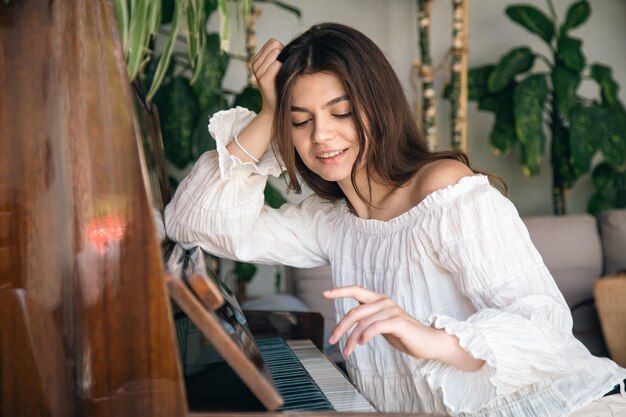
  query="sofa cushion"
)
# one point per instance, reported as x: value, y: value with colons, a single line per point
x: 613, y: 228
x: 570, y: 247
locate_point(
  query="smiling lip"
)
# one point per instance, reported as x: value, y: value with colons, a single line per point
x: 329, y: 157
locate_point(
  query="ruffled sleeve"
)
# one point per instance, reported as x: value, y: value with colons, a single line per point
x: 223, y: 126
x: 220, y: 207
x: 522, y: 324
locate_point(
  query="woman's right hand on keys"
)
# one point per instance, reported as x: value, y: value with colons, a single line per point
x: 265, y: 66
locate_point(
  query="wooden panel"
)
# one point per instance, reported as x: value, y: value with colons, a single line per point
x: 83, y: 304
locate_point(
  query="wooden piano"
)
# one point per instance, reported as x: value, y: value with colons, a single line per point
x: 86, y: 323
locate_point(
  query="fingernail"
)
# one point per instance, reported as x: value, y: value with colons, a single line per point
x: 331, y: 340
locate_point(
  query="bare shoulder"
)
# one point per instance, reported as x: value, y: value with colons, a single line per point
x: 439, y: 174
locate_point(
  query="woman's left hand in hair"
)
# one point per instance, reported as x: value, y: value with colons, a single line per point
x: 376, y: 315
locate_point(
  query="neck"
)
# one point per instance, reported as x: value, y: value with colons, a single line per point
x: 385, y: 201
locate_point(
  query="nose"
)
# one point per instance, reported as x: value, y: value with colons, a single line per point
x: 322, y: 132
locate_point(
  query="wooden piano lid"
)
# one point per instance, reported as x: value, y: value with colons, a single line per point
x: 85, y: 322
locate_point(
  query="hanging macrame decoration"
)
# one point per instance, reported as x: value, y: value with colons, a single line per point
x: 425, y: 68
x: 458, y: 94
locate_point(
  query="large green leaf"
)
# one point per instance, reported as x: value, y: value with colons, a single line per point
x: 178, y: 110
x: 209, y: 7
x: 202, y: 140
x: 273, y: 197
x: 244, y: 271
x: 515, y: 62
x: 532, y: 19
x: 165, y: 60
x: 497, y: 101
x: 608, y: 86
x: 503, y: 137
x: 606, y: 179
x: 570, y: 52
x: 612, y: 122
x: 560, y: 156
x: 139, y: 30
x: 584, y: 139
x: 565, y: 82
x: 121, y: 13
x: 208, y: 85
x: 528, y: 106
x: 599, y: 203
x: 154, y: 17
x: 577, y: 14
x: 477, y: 82
x: 167, y: 12
x: 250, y: 98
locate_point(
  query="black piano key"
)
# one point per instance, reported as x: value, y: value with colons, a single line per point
x: 292, y: 380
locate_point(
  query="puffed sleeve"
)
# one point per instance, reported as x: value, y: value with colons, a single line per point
x: 522, y: 326
x: 220, y: 207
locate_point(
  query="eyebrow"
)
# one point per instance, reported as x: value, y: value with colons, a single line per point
x: 330, y: 103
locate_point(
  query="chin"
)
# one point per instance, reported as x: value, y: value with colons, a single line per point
x: 334, y: 177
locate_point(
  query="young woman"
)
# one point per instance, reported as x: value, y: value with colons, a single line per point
x: 444, y: 306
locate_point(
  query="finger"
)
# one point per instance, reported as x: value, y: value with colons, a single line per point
x: 264, y: 65
x: 272, y: 71
x: 357, y: 334
x: 392, y: 326
x: 265, y: 46
x: 362, y: 295
x: 269, y: 45
x: 356, y: 315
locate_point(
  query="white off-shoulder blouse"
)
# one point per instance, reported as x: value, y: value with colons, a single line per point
x: 461, y: 260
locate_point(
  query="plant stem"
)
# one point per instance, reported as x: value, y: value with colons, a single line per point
x: 553, y: 14
x: 556, y: 154
x: 544, y: 59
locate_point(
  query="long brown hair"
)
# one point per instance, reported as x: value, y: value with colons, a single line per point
x: 396, y: 149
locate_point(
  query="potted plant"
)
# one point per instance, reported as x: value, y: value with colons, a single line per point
x: 528, y: 101
x: 187, y: 88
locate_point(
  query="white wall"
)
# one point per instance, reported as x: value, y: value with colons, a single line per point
x: 392, y: 25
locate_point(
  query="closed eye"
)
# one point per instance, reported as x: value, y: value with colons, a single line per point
x: 343, y: 116
x: 300, y: 124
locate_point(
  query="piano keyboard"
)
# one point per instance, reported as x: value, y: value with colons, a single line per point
x: 339, y: 391
x: 307, y: 380
x: 292, y: 381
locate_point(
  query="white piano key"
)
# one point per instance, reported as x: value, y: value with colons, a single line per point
x: 339, y: 391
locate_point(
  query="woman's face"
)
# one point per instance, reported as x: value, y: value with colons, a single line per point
x: 322, y: 126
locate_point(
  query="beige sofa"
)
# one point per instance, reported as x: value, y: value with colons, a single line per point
x: 574, y: 250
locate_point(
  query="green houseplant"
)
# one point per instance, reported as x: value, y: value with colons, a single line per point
x: 187, y: 88
x: 527, y: 101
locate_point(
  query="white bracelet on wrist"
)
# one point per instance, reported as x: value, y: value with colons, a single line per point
x: 245, y: 151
